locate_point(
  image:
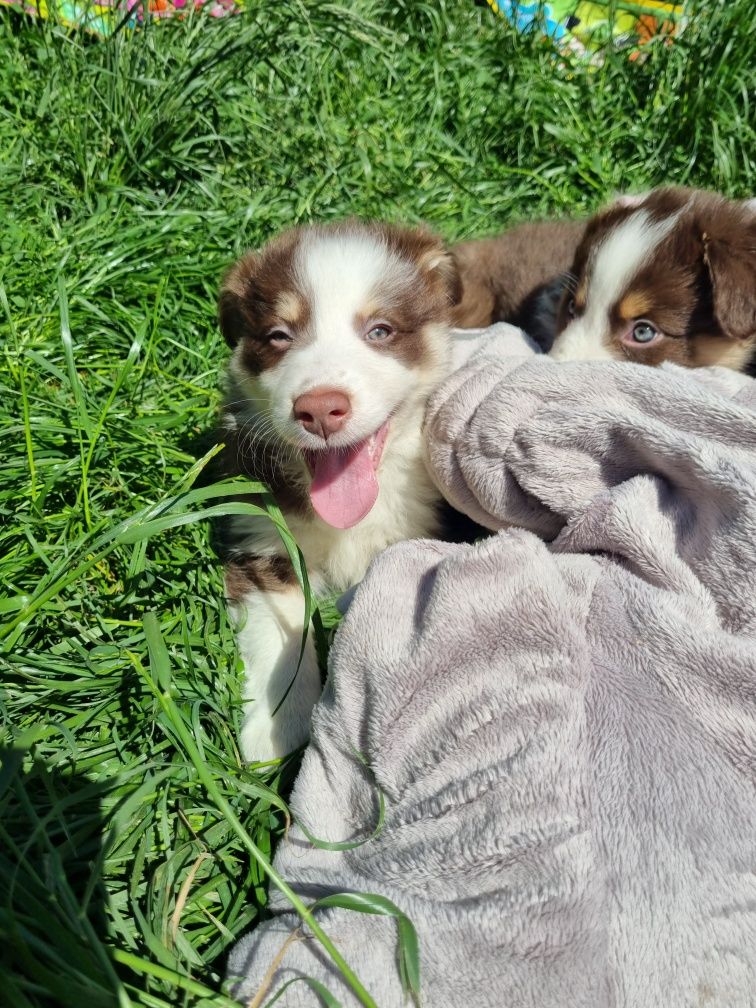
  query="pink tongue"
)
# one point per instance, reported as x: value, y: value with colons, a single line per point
x: 344, y: 486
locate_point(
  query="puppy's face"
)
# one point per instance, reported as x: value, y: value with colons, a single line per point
x: 666, y: 276
x: 360, y: 309
x: 337, y: 331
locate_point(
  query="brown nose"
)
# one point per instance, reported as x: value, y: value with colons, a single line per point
x: 323, y: 411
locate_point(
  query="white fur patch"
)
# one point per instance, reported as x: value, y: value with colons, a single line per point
x: 269, y: 639
x: 631, y: 199
x: 611, y: 268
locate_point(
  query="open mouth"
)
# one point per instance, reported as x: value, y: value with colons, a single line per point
x: 344, y: 480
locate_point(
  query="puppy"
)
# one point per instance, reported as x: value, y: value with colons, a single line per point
x: 339, y: 333
x: 666, y: 276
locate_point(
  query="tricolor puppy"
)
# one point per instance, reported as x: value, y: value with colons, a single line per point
x: 339, y: 333
x: 667, y: 276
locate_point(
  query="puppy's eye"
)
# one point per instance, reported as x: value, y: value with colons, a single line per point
x: 279, y: 339
x: 644, y: 332
x: 379, y: 333
x: 571, y: 310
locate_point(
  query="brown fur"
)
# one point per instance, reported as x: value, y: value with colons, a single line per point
x: 420, y: 298
x: 265, y: 573
x: 500, y: 275
x: 636, y: 304
x: 250, y: 300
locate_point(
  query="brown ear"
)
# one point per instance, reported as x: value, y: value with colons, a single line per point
x: 732, y: 270
x: 473, y: 297
x: 235, y: 298
x: 441, y: 263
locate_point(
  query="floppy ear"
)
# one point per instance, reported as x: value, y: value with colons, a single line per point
x: 732, y: 271
x: 441, y: 263
x: 235, y: 298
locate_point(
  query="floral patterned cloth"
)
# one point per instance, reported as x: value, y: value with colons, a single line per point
x: 103, y: 17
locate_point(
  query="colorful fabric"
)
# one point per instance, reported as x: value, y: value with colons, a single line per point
x: 580, y: 27
x: 590, y: 27
x: 103, y: 17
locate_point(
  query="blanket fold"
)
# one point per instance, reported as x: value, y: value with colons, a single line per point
x: 562, y: 717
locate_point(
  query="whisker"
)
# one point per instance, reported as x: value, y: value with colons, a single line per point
x: 232, y: 403
x: 261, y: 446
x: 569, y: 281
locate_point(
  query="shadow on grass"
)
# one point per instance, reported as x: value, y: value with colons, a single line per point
x: 51, y: 895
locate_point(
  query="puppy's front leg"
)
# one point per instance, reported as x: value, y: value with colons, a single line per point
x: 268, y: 606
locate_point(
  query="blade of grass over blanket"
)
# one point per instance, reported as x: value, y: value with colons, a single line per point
x: 161, y: 686
x: 373, y: 903
x: 345, y: 845
x: 323, y: 993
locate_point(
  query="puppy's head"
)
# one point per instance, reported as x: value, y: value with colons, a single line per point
x: 337, y: 333
x: 670, y: 275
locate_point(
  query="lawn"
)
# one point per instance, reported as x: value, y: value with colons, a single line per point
x: 133, y: 171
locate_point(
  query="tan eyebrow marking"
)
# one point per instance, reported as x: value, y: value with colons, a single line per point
x: 370, y: 309
x: 636, y: 304
x: 289, y: 307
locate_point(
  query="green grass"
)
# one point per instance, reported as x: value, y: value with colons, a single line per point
x: 131, y: 173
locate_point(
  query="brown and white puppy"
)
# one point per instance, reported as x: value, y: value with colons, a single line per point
x: 339, y: 333
x: 666, y: 276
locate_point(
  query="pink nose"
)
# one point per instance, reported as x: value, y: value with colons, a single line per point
x: 323, y: 411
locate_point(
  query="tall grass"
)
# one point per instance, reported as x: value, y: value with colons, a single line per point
x: 132, y: 171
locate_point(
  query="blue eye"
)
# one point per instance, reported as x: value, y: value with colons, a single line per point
x: 379, y: 334
x: 644, y: 332
x: 571, y: 308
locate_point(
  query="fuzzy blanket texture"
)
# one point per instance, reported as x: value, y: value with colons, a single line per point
x: 562, y: 717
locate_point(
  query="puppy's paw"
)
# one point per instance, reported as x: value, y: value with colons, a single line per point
x: 265, y: 738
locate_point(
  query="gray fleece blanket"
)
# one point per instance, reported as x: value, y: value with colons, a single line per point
x: 562, y: 717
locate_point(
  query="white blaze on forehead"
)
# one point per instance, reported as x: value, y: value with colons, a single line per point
x: 340, y: 271
x: 619, y: 258
x: 611, y: 268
